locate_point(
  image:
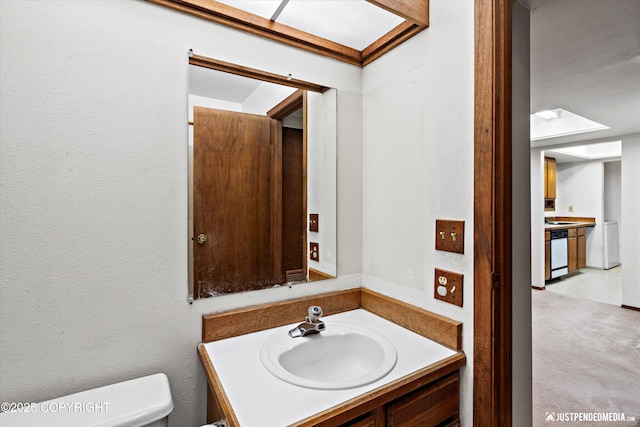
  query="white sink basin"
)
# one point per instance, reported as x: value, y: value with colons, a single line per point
x: 343, y: 356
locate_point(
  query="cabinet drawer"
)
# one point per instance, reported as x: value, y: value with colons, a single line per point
x: 581, y: 231
x: 431, y: 406
x: 573, y: 232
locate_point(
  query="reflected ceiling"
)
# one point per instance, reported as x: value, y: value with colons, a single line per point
x: 219, y: 85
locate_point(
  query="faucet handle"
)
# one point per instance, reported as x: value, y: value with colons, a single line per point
x: 314, y: 314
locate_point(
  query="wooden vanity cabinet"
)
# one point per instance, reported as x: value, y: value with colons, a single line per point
x: 428, y: 396
x: 435, y: 404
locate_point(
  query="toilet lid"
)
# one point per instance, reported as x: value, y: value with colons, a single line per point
x: 130, y: 403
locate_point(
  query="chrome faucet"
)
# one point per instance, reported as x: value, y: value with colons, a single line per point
x: 312, y: 325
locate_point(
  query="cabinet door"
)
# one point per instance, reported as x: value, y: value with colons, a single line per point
x: 547, y: 260
x: 582, y: 251
x: 572, y: 253
x: 376, y: 418
x: 430, y: 406
x: 551, y: 179
x: 546, y: 179
x: 370, y: 421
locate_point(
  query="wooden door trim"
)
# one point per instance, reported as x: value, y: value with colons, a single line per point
x: 254, y: 73
x: 287, y: 106
x: 305, y: 179
x: 492, y: 355
x: 293, y: 102
x: 276, y: 201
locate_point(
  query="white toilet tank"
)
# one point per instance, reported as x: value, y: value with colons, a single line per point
x: 139, y: 402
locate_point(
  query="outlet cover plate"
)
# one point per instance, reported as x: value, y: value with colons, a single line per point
x: 450, y: 235
x: 314, y: 251
x: 447, y: 286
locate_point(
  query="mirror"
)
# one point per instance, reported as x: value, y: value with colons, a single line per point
x: 262, y: 180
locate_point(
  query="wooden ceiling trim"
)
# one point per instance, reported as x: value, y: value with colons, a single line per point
x: 227, y: 67
x: 416, y: 11
x: 393, y: 38
x: 257, y: 25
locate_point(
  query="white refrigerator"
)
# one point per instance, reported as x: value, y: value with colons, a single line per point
x: 611, y: 248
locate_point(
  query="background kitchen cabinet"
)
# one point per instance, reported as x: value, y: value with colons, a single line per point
x: 572, y: 249
x: 582, y: 247
x: 577, y: 248
x: 547, y: 255
x: 549, y: 184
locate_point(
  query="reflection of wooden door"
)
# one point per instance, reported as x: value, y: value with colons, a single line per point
x: 293, y: 205
x: 232, y: 201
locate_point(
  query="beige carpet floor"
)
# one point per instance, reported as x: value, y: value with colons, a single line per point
x: 586, y: 359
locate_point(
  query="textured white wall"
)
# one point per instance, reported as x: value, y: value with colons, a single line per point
x: 521, y: 192
x: 537, y: 217
x: 418, y: 166
x: 630, y: 239
x: 581, y: 185
x: 613, y: 192
x: 93, y: 193
x: 321, y: 173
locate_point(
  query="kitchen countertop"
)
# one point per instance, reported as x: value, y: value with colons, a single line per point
x: 569, y: 225
x: 568, y: 222
x: 260, y: 399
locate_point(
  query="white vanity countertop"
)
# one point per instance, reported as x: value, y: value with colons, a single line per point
x: 259, y: 399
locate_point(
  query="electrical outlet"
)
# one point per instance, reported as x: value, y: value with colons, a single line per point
x: 448, y: 286
x: 314, y: 251
x: 450, y: 235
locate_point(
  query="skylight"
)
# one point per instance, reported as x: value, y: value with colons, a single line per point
x: 353, y: 31
x: 264, y: 8
x: 356, y: 24
x: 602, y: 150
x: 353, y: 23
x: 558, y: 122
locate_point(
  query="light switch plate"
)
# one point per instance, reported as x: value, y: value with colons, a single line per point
x: 450, y: 235
x: 448, y: 286
x: 313, y: 222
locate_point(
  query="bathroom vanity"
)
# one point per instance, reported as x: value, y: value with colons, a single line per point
x: 422, y: 388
